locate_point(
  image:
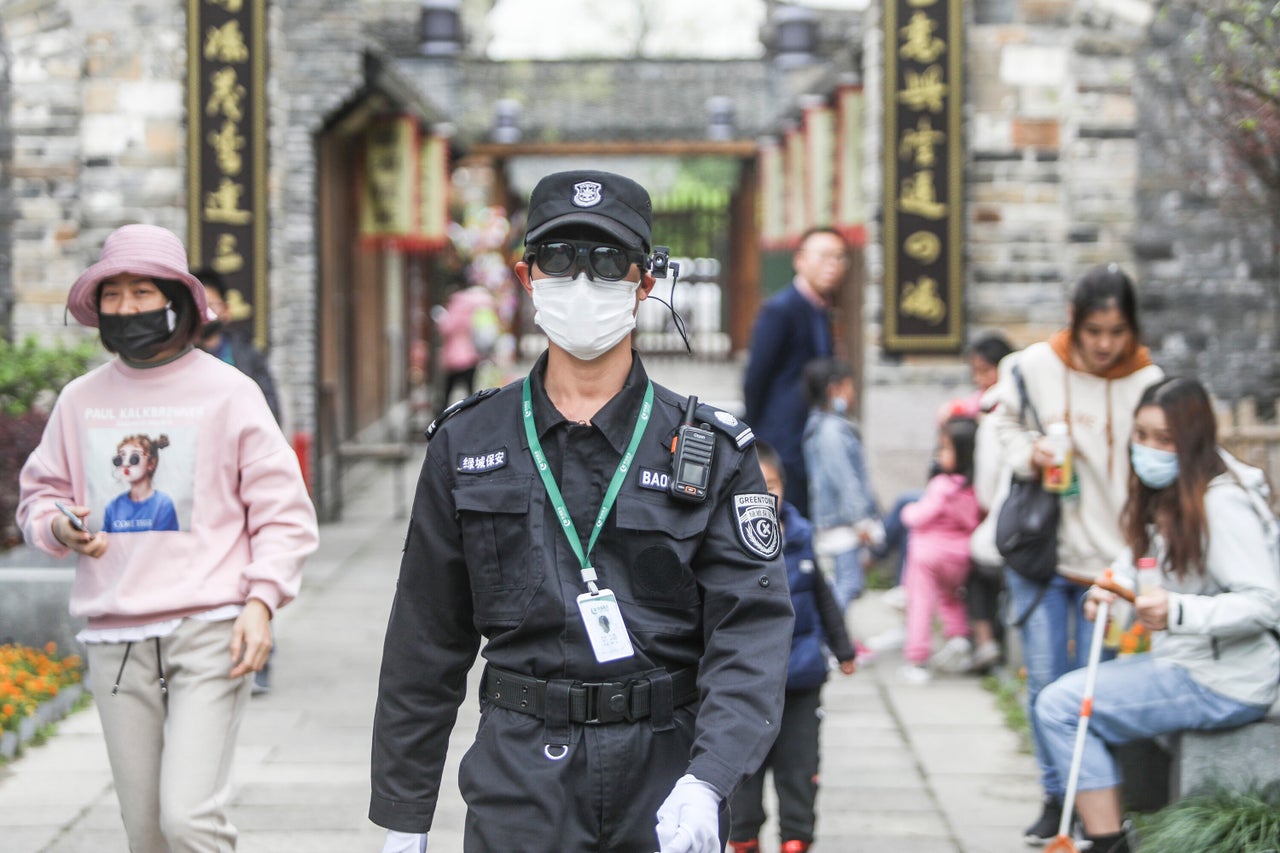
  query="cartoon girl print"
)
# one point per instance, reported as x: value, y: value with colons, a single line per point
x: 141, y: 507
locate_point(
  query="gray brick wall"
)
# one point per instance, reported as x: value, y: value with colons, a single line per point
x: 1207, y: 253
x: 96, y: 128
x: 317, y: 66
x: 6, y: 190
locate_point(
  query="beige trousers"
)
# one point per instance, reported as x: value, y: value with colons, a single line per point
x: 171, y: 751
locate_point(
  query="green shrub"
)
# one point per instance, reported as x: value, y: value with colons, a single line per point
x: 29, y: 370
x: 1219, y: 821
x: 31, y: 375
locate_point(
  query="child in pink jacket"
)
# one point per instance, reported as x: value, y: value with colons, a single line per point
x: 937, y: 566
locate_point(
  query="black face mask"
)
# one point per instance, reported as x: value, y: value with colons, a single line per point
x: 137, y: 337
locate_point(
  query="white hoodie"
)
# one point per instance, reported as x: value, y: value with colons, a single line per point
x: 1099, y: 413
x: 1220, y: 621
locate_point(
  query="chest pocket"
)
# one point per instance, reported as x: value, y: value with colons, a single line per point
x: 660, y: 539
x: 493, y: 514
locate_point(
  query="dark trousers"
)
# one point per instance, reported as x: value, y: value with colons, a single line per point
x: 603, y: 795
x: 466, y: 378
x: 896, y: 533
x: 795, y: 489
x: 794, y: 760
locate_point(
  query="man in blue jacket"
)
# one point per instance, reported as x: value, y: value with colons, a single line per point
x: 792, y: 329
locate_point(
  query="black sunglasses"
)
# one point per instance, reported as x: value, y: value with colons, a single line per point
x: 119, y: 460
x: 601, y: 260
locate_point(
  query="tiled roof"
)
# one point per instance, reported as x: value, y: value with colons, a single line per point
x: 638, y: 99
x: 634, y: 99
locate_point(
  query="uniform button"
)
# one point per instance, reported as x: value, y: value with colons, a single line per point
x: 764, y: 580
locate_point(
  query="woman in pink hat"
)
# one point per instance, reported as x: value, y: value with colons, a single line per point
x: 178, y: 614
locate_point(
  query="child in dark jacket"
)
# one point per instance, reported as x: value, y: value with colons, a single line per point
x: 819, y: 626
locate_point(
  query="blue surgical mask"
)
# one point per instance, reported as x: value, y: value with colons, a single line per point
x: 1155, y: 468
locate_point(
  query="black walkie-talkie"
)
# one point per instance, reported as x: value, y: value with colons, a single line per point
x: 692, y: 449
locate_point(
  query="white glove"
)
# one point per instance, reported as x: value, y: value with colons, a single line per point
x: 689, y: 819
x: 405, y: 842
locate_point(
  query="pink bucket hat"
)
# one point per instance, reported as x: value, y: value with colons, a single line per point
x: 139, y: 249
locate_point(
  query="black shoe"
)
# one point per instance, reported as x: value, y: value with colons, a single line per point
x: 1045, y: 829
x: 1118, y: 843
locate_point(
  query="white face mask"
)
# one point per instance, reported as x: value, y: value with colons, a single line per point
x: 584, y: 318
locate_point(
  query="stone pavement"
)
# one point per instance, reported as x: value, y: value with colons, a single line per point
x: 906, y: 769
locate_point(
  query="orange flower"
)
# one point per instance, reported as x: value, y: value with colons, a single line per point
x: 29, y: 677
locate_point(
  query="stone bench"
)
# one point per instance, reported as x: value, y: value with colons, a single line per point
x: 1233, y: 758
x: 1167, y: 768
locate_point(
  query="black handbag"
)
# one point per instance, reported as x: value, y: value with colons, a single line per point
x: 1027, y: 526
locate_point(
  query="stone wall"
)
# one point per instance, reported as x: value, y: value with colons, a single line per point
x: 96, y: 128
x: 6, y: 190
x: 1207, y: 252
x: 1053, y: 156
x: 96, y: 123
x: 1082, y: 151
x: 317, y: 65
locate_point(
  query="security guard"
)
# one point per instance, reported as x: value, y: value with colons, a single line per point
x: 616, y: 547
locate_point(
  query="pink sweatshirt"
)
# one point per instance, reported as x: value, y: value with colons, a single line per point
x: 228, y: 518
x: 945, y: 517
x: 458, y: 350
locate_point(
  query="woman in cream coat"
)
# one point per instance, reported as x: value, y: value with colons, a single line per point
x: 1090, y: 377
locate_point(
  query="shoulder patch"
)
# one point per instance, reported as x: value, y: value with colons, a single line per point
x: 755, y: 518
x: 454, y: 408
x: 733, y: 427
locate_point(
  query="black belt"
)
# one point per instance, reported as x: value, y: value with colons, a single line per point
x: 591, y: 703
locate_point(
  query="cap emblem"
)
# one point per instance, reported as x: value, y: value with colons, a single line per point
x: 587, y: 194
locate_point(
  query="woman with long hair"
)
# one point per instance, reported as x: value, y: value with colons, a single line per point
x: 1089, y: 377
x: 1214, y: 661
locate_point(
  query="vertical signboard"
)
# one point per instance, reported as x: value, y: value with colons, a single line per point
x: 389, y: 185
x: 820, y: 155
x: 435, y: 191
x: 793, y: 159
x: 773, y: 195
x: 923, y: 176
x: 851, y: 207
x: 227, y: 150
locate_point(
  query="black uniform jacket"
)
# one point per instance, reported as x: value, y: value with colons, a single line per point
x: 485, y: 556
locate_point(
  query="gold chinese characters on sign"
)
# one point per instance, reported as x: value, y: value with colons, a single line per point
x: 923, y: 166
x: 227, y: 150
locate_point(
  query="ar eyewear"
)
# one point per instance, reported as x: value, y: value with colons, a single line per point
x: 600, y: 260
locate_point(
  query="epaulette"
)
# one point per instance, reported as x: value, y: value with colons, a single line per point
x: 453, y: 409
x: 733, y: 427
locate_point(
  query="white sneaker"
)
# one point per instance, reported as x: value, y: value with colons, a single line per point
x: 985, y: 656
x: 954, y: 656
x: 896, y: 597
x: 915, y: 675
x: 887, y: 641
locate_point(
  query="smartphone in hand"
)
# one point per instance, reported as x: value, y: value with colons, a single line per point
x: 76, y: 521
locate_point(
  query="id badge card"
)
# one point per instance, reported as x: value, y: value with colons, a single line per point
x: 605, y: 628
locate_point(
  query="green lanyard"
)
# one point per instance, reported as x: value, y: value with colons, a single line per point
x: 611, y: 495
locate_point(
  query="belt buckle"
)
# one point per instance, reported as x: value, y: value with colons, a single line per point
x: 608, y: 702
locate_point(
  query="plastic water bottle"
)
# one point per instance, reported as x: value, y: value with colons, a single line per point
x: 1057, y: 477
x: 1148, y: 575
